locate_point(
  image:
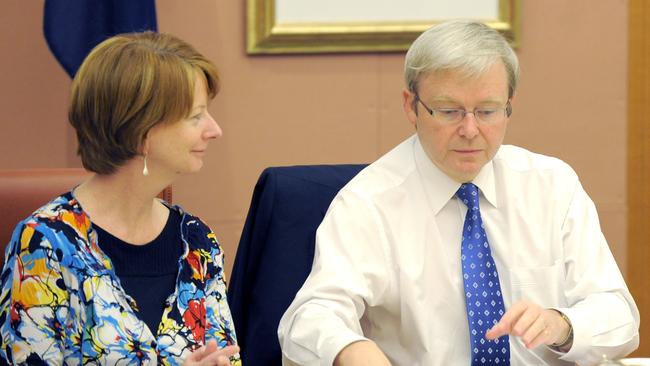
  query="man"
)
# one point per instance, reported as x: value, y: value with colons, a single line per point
x: 454, y: 250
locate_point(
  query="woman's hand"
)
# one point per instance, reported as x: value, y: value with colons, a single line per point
x: 210, y: 354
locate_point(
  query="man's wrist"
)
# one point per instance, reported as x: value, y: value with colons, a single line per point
x: 565, y: 344
x: 362, y: 352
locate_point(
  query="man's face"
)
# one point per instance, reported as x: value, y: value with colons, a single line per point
x: 459, y: 149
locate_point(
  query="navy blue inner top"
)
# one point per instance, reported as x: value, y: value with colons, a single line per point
x: 147, y: 272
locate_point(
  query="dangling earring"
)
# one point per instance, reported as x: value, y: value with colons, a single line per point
x: 145, y: 171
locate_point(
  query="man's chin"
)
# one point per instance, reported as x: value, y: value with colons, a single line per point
x: 467, y: 171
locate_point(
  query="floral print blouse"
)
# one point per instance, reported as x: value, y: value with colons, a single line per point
x: 62, y: 303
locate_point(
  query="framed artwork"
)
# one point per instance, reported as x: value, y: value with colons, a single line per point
x: 327, y: 26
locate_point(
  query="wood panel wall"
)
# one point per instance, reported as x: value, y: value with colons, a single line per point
x: 638, y: 192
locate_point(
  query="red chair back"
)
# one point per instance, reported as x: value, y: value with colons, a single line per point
x: 23, y: 191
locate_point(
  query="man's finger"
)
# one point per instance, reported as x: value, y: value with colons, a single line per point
x: 505, y: 324
x: 498, y: 330
x: 525, y: 321
x: 535, y: 334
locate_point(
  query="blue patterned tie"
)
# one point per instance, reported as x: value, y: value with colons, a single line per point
x: 483, y: 297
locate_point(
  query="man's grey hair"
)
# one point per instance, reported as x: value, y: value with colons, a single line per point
x: 468, y: 46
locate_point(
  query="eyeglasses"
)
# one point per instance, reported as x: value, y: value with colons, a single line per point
x: 485, y: 115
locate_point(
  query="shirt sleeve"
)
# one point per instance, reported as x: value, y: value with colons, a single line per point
x: 220, y: 325
x: 349, y: 272
x: 34, y: 299
x: 604, y: 316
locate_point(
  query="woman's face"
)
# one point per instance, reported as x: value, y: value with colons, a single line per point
x: 179, y: 147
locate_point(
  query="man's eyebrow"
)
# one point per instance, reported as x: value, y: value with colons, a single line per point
x: 445, y: 98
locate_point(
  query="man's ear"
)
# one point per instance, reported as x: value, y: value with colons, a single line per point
x: 509, y: 107
x: 408, y: 99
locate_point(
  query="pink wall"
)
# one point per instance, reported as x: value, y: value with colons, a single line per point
x: 309, y: 109
x: 33, y: 92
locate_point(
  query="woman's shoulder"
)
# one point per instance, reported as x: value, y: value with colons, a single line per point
x: 187, y: 219
x: 58, y: 205
x: 58, y: 227
x: 63, y: 209
x: 58, y: 216
x: 195, y: 231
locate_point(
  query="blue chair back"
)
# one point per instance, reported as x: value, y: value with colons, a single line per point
x: 276, y: 251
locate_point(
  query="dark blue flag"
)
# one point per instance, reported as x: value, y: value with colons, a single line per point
x: 73, y: 27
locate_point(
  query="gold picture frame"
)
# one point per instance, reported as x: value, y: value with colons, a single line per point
x: 267, y: 36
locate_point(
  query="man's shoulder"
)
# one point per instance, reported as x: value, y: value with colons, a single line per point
x: 386, y: 173
x: 520, y: 160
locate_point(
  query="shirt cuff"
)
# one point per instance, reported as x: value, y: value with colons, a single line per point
x: 581, y: 341
x: 333, y: 345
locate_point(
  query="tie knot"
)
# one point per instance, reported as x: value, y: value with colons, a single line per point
x: 468, y: 193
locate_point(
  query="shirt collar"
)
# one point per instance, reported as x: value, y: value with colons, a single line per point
x: 485, y: 182
x: 440, y: 188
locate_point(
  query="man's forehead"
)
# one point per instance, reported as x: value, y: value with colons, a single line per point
x: 462, y: 74
x: 440, y: 81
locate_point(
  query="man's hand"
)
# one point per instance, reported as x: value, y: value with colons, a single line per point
x: 534, y: 325
x: 210, y: 354
x: 361, y: 353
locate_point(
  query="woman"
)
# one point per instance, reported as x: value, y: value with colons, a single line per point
x: 107, y: 273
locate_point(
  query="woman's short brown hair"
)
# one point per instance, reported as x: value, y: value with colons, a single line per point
x: 128, y: 84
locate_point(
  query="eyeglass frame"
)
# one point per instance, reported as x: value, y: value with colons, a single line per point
x: 507, y: 109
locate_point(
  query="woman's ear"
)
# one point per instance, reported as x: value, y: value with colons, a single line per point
x: 144, y: 145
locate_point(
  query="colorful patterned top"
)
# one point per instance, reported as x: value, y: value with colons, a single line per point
x: 62, y: 303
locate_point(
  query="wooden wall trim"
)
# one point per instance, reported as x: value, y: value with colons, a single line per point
x: 638, y: 167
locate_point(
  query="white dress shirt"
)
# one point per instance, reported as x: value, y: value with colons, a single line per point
x: 387, y: 263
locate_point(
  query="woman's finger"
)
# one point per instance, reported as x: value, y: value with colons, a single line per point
x: 218, y: 356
